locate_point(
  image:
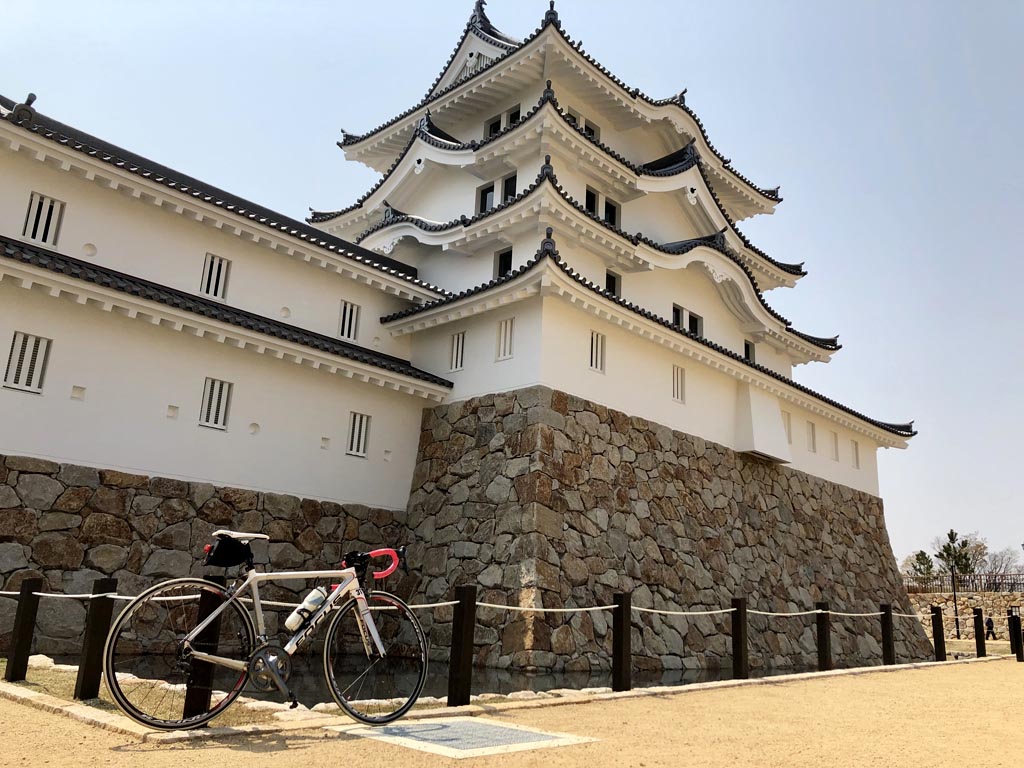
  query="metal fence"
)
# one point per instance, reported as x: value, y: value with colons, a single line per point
x: 966, y: 582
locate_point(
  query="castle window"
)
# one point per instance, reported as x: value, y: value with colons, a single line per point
x: 508, y: 188
x: 683, y: 318
x: 492, y: 127
x: 611, y: 212
x: 812, y: 438
x: 506, y: 330
x: 358, y: 434
x: 787, y: 422
x: 485, y: 198
x: 26, y: 363
x: 43, y: 219
x: 855, y: 453
x: 458, y: 351
x: 678, y: 384
x: 835, y: 446
x: 574, y: 116
x: 215, y: 277
x: 613, y: 284
x: 503, y: 263
x: 590, y: 202
x: 597, y: 344
x: 348, y: 328
x: 513, y: 115
x: 750, y: 351
x: 216, y: 404
x: 592, y: 130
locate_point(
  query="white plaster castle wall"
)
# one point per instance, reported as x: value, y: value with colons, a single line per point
x: 133, y: 371
x: 155, y: 244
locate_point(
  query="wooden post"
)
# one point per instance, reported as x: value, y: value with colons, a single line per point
x: 200, y: 687
x: 938, y: 634
x: 622, y: 641
x: 24, y: 628
x: 979, y: 633
x: 460, y: 664
x: 1016, y: 630
x: 740, y: 659
x: 97, y: 625
x: 888, y: 636
x: 824, y: 622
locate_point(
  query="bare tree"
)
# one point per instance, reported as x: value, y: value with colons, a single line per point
x: 1004, y: 561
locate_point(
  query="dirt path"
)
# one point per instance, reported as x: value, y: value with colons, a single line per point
x: 903, y: 718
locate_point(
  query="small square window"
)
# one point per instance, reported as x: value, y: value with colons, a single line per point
x: 613, y: 284
x: 43, y: 219
x: 590, y: 204
x: 216, y: 404
x: 215, y: 277
x: 611, y: 212
x: 358, y: 435
x: 503, y: 263
x: 592, y: 130
x: 508, y: 188
x: 695, y: 325
x: 573, y: 116
x: 485, y: 198
x: 597, y: 344
x: 492, y: 127
x: 26, y: 363
x: 677, y: 315
x: 678, y: 384
x: 513, y: 115
x: 458, y: 351
x: 750, y: 351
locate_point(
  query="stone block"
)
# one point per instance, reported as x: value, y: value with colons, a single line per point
x: 281, y: 506
x: 241, y: 500
x: 217, y: 512
x: 175, y: 511
x: 8, y: 498
x: 13, y: 557
x: 75, y: 475
x: 60, y: 618
x: 116, y: 479
x: 18, y: 525
x: 38, y: 491
x: 100, y: 528
x: 167, y: 563
x: 168, y: 488
x: 56, y: 550
x: 106, y: 557
x: 285, y: 555
x: 177, y: 536
x: 29, y: 464
x: 200, y: 493
x: 73, y: 499
x: 110, y: 501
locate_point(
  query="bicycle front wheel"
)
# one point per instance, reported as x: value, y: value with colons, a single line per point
x: 153, y: 677
x: 371, y: 688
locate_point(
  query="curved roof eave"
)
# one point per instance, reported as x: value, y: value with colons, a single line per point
x: 547, y: 174
x: 551, y: 20
x: 548, y: 251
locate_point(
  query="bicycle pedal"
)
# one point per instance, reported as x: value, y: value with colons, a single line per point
x: 295, y: 702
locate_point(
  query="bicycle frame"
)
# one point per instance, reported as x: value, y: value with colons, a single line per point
x: 349, y: 585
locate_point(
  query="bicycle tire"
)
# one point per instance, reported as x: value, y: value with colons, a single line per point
x: 151, y: 677
x: 375, y: 689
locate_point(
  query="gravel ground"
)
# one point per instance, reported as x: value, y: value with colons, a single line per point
x: 951, y: 715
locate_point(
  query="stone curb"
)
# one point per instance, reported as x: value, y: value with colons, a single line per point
x: 117, y: 723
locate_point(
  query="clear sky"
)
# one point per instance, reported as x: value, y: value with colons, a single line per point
x: 892, y: 127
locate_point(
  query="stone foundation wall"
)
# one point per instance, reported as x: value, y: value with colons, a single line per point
x: 72, y: 525
x: 547, y: 500
x: 994, y: 604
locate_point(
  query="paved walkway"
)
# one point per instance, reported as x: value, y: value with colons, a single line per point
x: 955, y: 715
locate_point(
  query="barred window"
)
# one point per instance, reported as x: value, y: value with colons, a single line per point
x: 835, y: 446
x: 358, y: 434
x: 216, y: 404
x: 787, y: 422
x: 597, y: 344
x: 215, y: 277
x: 855, y: 451
x: 349, y: 326
x: 678, y: 384
x: 812, y: 438
x: 458, y: 351
x: 26, y: 363
x: 43, y: 219
x: 506, y: 329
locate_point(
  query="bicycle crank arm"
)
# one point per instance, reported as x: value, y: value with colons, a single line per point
x: 220, y: 661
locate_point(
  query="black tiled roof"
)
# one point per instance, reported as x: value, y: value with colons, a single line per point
x: 214, y: 310
x: 549, y: 251
x: 68, y: 136
x: 551, y: 20
x: 676, y: 162
x: 547, y: 174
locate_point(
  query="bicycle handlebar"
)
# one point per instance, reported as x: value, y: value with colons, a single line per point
x: 397, y: 559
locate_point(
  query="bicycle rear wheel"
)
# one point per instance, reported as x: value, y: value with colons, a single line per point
x: 371, y: 688
x: 153, y: 678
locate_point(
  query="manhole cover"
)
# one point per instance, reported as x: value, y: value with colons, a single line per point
x: 460, y: 737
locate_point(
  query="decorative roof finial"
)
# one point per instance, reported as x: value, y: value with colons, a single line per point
x: 478, y: 16
x: 548, y: 95
x: 23, y: 113
x: 551, y: 16
x: 547, y: 171
x: 547, y: 245
x: 681, y: 98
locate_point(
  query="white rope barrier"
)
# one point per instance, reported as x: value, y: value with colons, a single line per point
x: 795, y: 613
x: 546, y: 610
x: 420, y: 606
x: 683, y: 613
x: 840, y: 613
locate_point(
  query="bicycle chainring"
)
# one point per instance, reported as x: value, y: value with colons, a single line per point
x: 260, y: 663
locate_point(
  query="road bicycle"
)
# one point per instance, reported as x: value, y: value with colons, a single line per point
x: 182, y: 651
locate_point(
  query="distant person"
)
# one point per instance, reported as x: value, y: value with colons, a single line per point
x: 990, y: 629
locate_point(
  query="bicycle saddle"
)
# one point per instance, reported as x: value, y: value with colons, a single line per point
x: 241, y: 536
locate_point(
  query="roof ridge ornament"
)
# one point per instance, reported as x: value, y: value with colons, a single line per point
x: 547, y: 171
x: 548, y: 94
x: 23, y: 113
x: 681, y: 97
x: 551, y: 16
x: 547, y: 245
